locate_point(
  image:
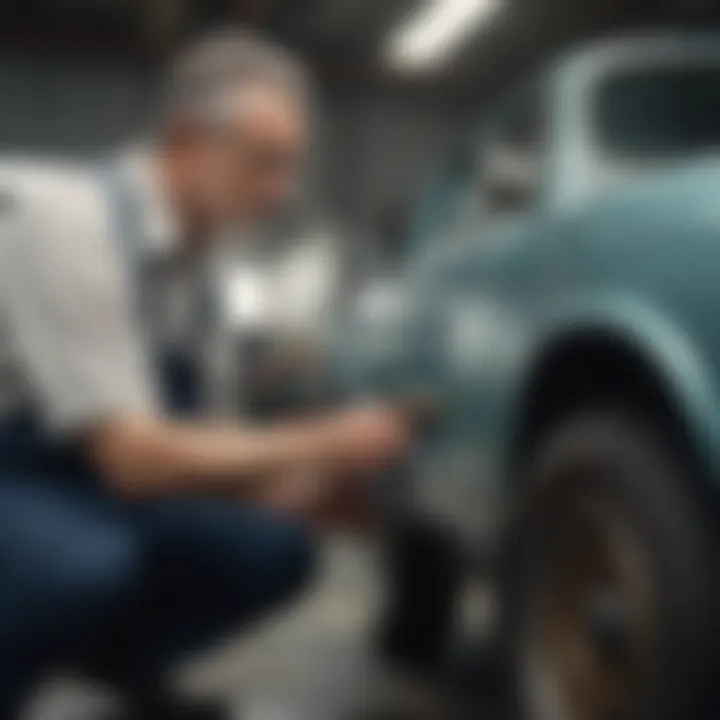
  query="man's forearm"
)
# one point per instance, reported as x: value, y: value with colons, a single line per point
x: 156, y: 457
x: 147, y: 457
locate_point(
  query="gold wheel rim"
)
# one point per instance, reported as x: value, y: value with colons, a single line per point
x: 593, y: 636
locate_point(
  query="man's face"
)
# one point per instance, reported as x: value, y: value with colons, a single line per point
x: 248, y: 169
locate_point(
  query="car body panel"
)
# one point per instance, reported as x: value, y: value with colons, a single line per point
x: 636, y: 260
x: 617, y: 268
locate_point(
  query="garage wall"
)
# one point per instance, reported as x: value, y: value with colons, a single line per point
x: 382, y: 152
x: 69, y: 108
x: 372, y: 152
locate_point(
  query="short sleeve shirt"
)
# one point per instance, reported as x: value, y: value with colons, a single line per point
x: 74, y: 340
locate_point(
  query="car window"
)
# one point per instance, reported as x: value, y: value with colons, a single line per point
x: 659, y: 112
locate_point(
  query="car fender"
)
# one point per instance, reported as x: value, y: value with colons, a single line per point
x: 673, y: 356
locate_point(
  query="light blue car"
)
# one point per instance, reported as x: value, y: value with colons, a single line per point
x: 562, y: 306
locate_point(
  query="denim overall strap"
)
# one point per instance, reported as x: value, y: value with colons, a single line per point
x: 124, y: 207
x: 177, y: 368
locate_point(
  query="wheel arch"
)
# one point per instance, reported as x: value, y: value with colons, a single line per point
x: 620, y: 356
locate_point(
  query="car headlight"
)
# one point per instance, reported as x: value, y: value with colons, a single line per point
x: 373, y: 342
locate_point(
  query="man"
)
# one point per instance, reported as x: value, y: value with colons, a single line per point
x: 131, y: 535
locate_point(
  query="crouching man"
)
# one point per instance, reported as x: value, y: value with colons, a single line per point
x: 130, y: 534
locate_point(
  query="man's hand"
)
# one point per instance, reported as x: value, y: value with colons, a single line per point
x: 369, y: 438
x: 330, y: 502
x: 364, y: 440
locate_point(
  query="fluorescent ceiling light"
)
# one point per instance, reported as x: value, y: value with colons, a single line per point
x: 431, y: 33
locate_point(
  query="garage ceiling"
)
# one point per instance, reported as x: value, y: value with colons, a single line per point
x: 340, y: 37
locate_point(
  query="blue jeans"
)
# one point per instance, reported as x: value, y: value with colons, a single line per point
x: 128, y: 588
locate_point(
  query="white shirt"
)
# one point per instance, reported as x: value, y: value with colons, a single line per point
x: 74, y: 343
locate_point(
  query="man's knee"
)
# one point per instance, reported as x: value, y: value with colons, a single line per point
x: 86, y: 580
x: 59, y: 597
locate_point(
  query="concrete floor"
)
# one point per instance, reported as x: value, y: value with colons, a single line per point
x: 310, y: 664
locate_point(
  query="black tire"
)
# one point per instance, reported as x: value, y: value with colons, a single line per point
x: 609, y: 584
x: 423, y: 575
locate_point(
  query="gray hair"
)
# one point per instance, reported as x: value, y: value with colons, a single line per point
x: 206, y: 72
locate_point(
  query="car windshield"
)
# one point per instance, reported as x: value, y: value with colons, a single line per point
x: 659, y: 112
